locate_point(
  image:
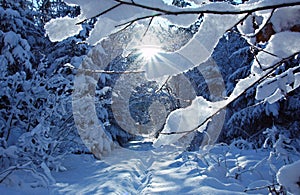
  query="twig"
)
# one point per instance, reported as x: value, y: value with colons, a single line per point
x: 262, y: 50
x: 240, y: 21
x: 164, y: 84
x: 112, y: 72
x: 258, y: 62
x: 151, y: 19
x: 128, y: 23
x: 125, y: 27
x: 100, y: 14
x: 267, y: 52
x: 11, y: 169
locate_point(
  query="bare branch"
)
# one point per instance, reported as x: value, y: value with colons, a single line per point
x: 162, y: 12
x: 12, y: 169
x: 267, y: 52
x: 262, y: 50
x: 126, y: 26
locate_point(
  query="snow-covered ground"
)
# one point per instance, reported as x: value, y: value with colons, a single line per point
x: 141, y: 169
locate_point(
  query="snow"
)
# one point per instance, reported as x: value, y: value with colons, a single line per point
x: 22, y: 191
x: 274, y: 89
x: 297, y: 80
x: 89, y: 128
x: 291, y: 17
x: 47, y: 172
x: 62, y: 28
x: 182, y: 20
x: 289, y: 177
x: 11, y: 39
x: 200, y: 47
x: 140, y: 169
x: 186, y: 119
x: 247, y: 27
x: 282, y: 45
x: 272, y: 109
x: 107, y: 23
x: 213, y: 27
x: 102, y: 29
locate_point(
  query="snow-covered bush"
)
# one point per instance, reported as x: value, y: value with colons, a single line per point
x: 239, y: 167
x: 9, y: 155
x: 28, y: 104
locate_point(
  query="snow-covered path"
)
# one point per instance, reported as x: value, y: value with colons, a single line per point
x: 141, y: 169
x: 123, y: 172
x: 155, y: 171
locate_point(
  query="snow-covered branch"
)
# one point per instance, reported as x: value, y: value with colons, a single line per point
x: 204, y: 114
x: 205, y: 9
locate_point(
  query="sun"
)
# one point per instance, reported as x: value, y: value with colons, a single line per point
x: 149, y: 52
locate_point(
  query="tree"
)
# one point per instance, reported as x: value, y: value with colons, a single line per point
x: 35, y: 100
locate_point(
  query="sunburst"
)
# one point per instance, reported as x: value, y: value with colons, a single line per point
x: 149, y: 52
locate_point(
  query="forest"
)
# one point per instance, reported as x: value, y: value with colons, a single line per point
x: 150, y: 97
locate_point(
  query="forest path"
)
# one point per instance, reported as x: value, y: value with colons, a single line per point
x: 138, y: 169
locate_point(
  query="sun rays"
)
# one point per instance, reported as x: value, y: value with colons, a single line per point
x: 158, y: 63
x: 149, y: 53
